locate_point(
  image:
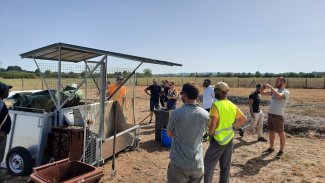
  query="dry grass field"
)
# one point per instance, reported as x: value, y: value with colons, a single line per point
x: 303, y: 161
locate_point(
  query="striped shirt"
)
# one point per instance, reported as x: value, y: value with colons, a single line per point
x: 188, y: 124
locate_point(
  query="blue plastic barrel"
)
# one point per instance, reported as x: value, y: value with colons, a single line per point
x: 165, y: 140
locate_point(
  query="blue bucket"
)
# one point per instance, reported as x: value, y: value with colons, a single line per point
x: 165, y: 140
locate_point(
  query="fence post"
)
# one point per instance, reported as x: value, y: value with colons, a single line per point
x: 287, y: 83
x: 147, y: 81
x: 238, y: 83
x: 182, y: 80
x: 42, y: 84
x: 22, y: 83
x: 223, y: 79
x: 269, y: 80
x: 306, y: 84
x: 324, y: 83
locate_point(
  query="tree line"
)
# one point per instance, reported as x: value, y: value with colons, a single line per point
x: 12, y: 72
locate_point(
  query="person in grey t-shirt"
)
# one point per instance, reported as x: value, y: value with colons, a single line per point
x: 279, y: 100
x: 186, y: 126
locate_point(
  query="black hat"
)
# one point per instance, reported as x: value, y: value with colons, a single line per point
x: 119, y: 77
x: 258, y: 85
x: 4, y: 87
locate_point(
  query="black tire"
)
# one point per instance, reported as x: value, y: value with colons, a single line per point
x: 19, y: 161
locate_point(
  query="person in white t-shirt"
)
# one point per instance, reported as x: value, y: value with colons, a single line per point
x: 208, y: 99
x: 208, y: 95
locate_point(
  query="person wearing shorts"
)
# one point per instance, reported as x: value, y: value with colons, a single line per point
x: 155, y: 90
x: 275, y: 120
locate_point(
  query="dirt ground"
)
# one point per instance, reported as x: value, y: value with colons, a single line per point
x: 303, y: 161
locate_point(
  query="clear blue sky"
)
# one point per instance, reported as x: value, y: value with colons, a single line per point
x: 204, y: 36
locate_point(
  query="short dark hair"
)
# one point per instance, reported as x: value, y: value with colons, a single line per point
x: 207, y: 82
x: 191, y: 90
x: 282, y: 79
x: 258, y: 86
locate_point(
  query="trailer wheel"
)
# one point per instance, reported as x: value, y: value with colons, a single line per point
x: 19, y: 161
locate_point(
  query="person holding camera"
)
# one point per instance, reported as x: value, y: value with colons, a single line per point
x: 275, y: 121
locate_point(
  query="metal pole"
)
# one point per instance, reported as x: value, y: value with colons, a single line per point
x: 22, y: 83
x: 133, y: 101
x: 102, y: 104
x: 114, y: 140
x: 306, y: 84
x: 60, y: 122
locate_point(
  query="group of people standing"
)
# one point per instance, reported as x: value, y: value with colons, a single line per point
x: 188, y: 123
x: 166, y: 94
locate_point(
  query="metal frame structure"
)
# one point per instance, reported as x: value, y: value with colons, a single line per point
x: 62, y: 52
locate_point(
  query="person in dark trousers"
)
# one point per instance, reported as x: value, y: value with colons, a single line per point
x: 275, y: 121
x: 166, y: 89
x: 162, y: 94
x: 186, y: 126
x: 172, y: 96
x: 256, y: 115
x: 224, y: 118
x: 155, y: 90
x: 5, y: 121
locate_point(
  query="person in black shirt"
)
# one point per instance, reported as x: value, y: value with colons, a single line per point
x: 5, y: 121
x: 166, y: 89
x: 256, y: 115
x: 162, y: 94
x: 155, y: 90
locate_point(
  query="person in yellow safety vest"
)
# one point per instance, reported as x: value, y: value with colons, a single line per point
x: 224, y: 118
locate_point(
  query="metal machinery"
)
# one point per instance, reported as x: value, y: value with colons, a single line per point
x: 105, y: 128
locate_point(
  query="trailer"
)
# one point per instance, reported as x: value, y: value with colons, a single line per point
x: 106, y: 131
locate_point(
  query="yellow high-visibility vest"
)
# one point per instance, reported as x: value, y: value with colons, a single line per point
x: 227, y: 116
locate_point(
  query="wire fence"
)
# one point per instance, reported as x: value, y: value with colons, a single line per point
x: 312, y: 83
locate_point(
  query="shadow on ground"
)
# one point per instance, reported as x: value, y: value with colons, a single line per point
x: 153, y: 146
x: 253, y: 166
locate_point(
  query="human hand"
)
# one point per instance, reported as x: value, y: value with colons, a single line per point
x: 268, y: 86
x: 252, y: 115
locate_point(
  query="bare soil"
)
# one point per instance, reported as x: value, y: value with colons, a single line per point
x: 303, y: 161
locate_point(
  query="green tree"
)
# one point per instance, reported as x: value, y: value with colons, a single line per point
x: 14, y: 68
x: 147, y: 72
x: 258, y: 74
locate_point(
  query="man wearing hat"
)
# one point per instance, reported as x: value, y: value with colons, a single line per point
x: 154, y: 94
x: 5, y: 121
x: 120, y: 95
x: 224, y: 117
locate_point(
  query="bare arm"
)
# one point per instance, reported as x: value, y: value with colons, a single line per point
x: 240, y: 121
x: 213, y: 125
x: 265, y: 93
x: 146, y: 90
x: 276, y: 93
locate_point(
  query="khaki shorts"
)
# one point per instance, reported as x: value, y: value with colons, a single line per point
x: 275, y: 123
